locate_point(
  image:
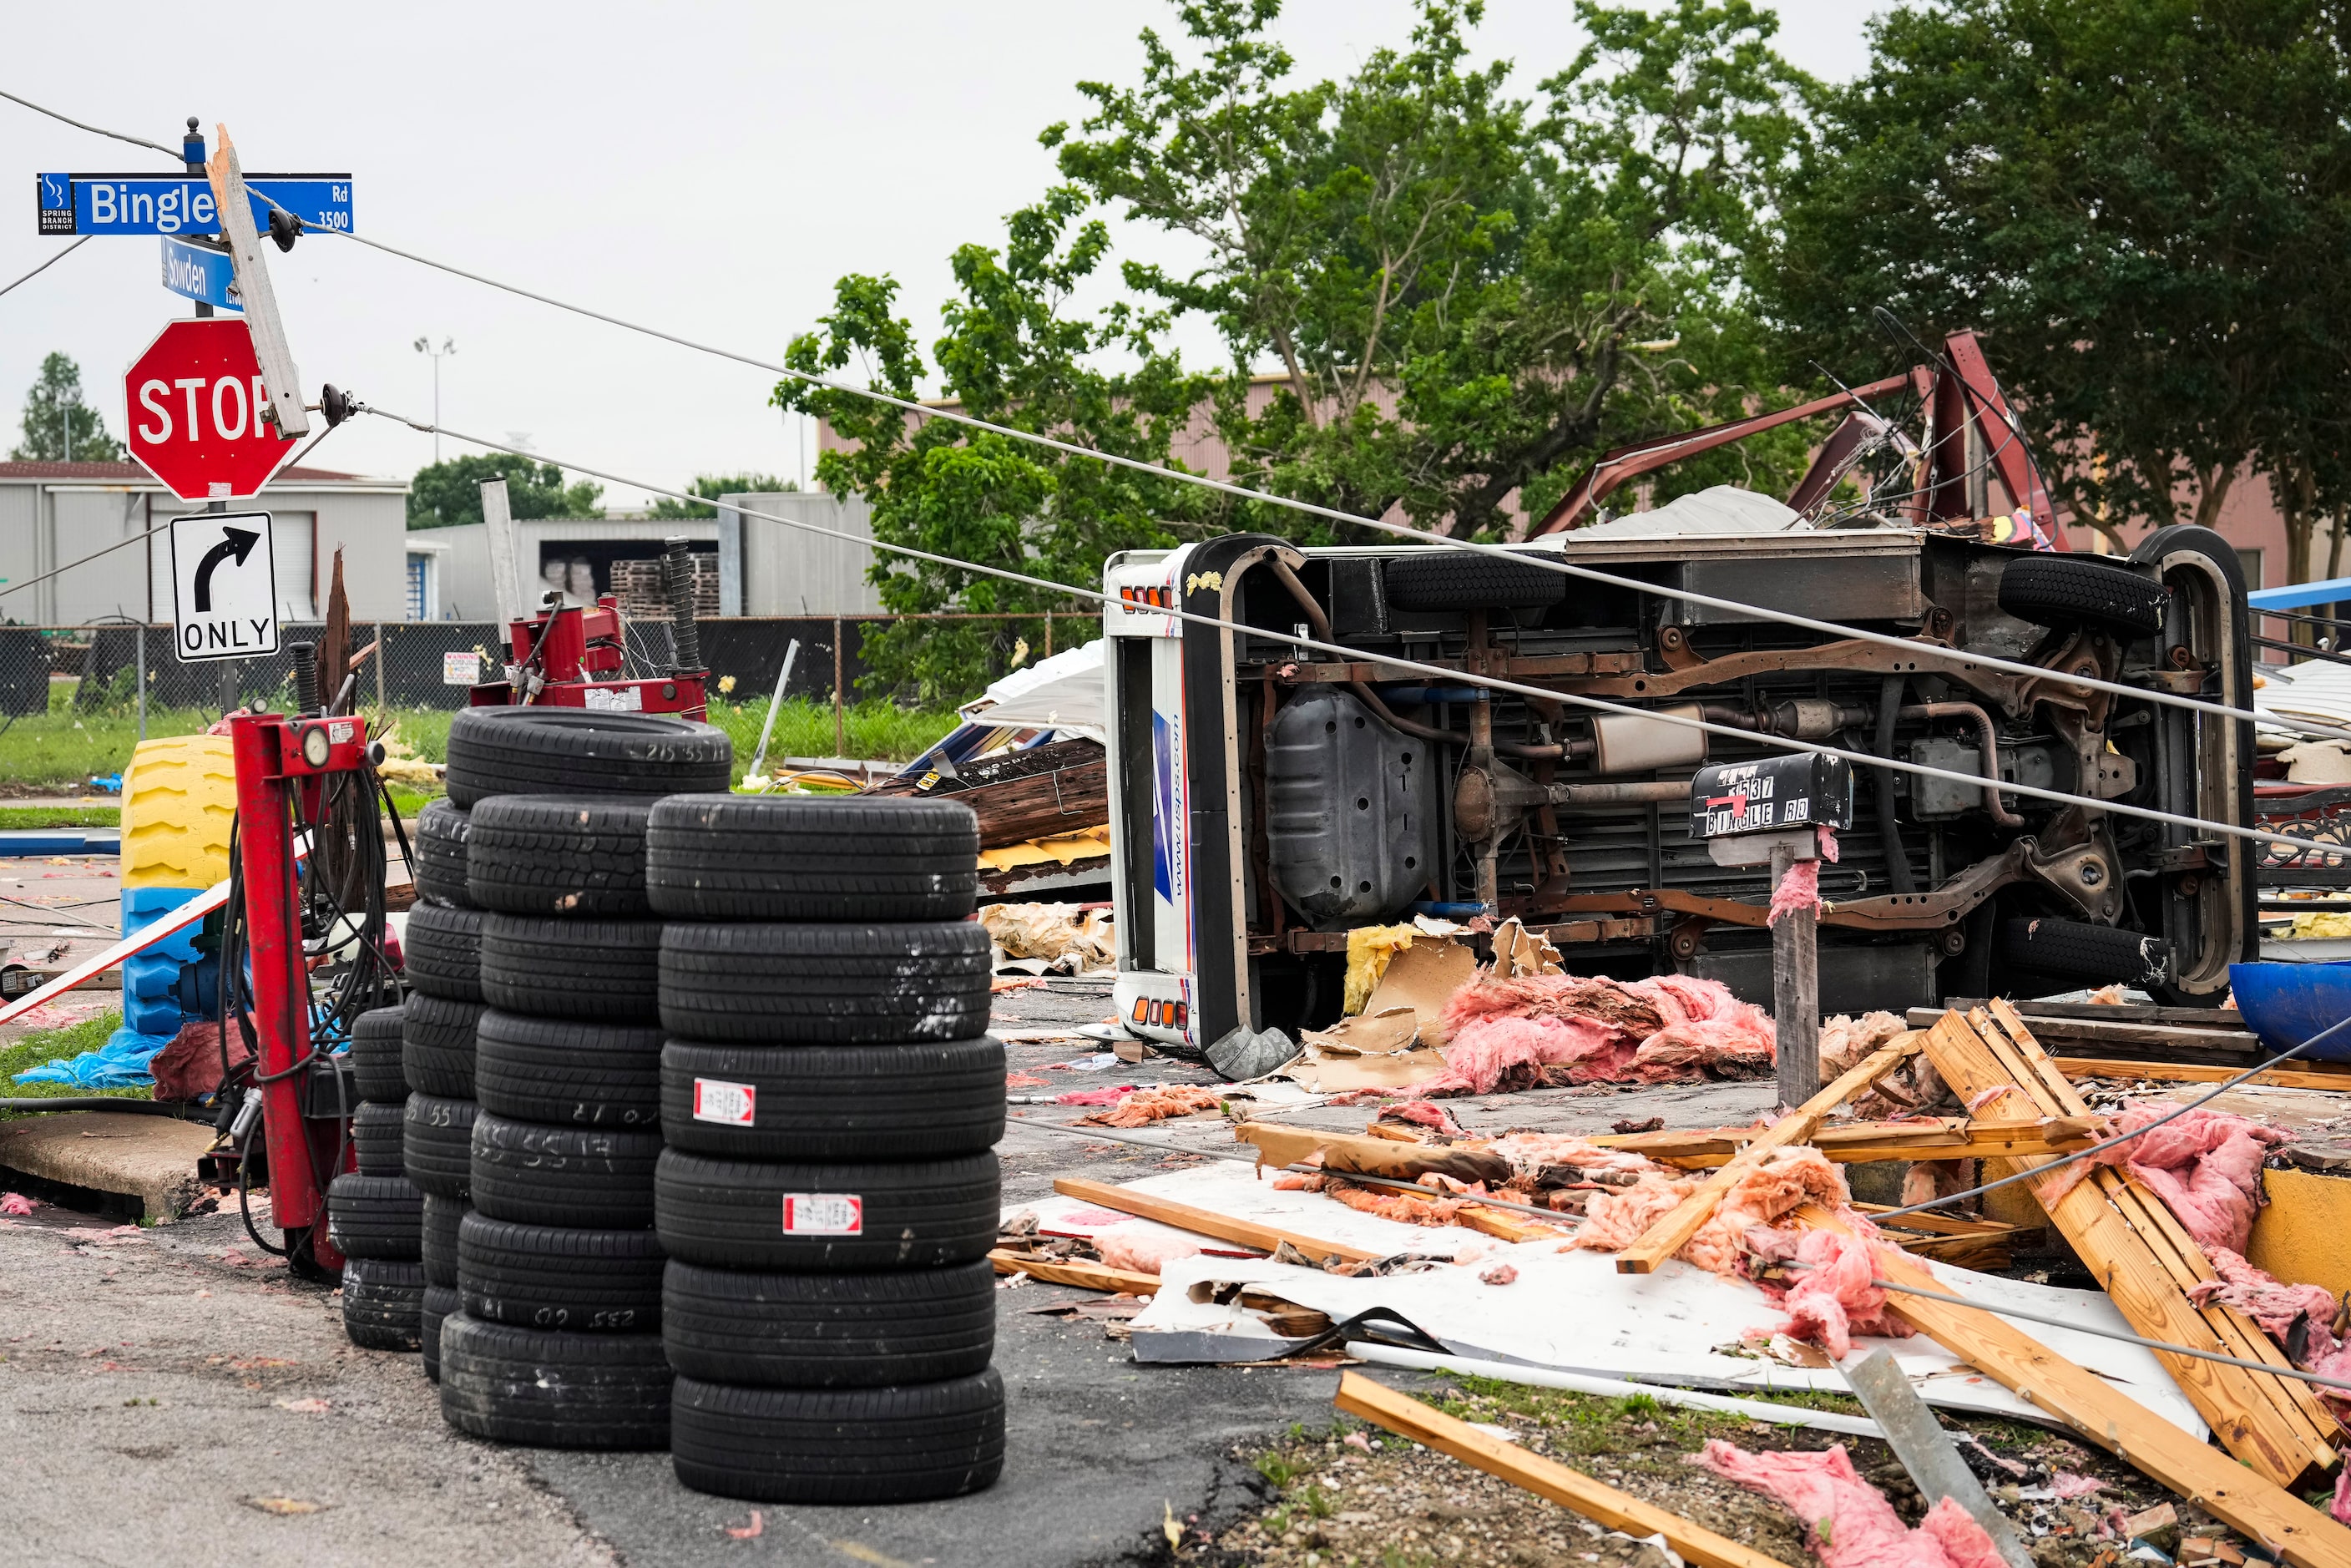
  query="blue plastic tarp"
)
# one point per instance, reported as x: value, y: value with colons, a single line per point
x: 119, y: 1063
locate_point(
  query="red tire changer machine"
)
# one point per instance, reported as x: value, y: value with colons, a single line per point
x: 577, y: 656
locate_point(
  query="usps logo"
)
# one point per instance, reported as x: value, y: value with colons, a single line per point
x: 823, y: 1214
x: 729, y: 1105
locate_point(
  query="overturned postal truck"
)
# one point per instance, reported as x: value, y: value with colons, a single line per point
x: 1266, y: 797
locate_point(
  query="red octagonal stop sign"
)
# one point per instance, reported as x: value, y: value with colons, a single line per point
x: 195, y: 399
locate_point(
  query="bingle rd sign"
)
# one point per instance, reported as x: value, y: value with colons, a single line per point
x: 195, y: 402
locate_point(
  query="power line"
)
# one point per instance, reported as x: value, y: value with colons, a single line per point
x: 171, y: 153
x: 48, y: 264
x: 1457, y: 677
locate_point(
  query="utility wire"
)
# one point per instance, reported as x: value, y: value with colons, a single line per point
x: 171, y: 153
x: 60, y: 571
x: 2017, y: 1312
x: 47, y: 265
x: 1456, y: 678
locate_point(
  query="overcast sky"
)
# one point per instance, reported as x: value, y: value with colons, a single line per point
x: 710, y: 168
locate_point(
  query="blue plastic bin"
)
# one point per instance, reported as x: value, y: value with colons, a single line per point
x: 2285, y: 1004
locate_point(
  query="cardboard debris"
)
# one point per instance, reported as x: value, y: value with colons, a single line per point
x: 1422, y: 977
x: 1050, y: 938
x: 1369, y: 1051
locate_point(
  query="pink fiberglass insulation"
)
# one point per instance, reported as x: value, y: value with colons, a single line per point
x: 1530, y: 1152
x: 1833, y: 1299
x: 2341, y: 1507
x: 2206, y: 1165
x: 1424, y: 1113
x: 1142, y: 1247
x: 1847, y: 1522
x: 1801, y: 887
x: 1614, y: 1220
x: 2257, y: 1294
x: 1787, y: 1178
x: 1530, y: 1030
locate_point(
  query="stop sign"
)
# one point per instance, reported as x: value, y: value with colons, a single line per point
x: 195, y: 399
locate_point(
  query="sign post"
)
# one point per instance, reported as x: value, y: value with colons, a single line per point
x: 224, y: 587
x: 1772, y: 812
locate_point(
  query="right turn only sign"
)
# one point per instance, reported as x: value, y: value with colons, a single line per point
x: 223, y: 586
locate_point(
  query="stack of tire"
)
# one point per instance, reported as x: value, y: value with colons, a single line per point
x: 830, y: 1191
x: 375, y: 1215
x: 554, y: 1342
x: 442, y: 949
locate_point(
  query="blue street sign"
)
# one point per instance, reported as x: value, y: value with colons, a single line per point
x: 200, y: 272
x: 181, y: 204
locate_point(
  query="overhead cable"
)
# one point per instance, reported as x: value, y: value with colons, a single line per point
x: 1456, y: 677
x: 36, y: 272
x: 171, y: 153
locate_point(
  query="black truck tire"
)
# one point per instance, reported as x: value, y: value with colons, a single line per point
x: 2076, y: 949
x: 569, y: 1072
x: 540, y: 751
x: 442, y: 949
x: 440, y: 849
x: 375, y: 1217
x: 588, y: 1178
x: 1442, y: 579
x: 436, y: 1046
x: 380, y: 1138
x: 840, y: 985
x: 2063, y: 591
x: 442, y: 1217
x: 840, y: 1445
x: 582, y: 855
x: 747, y: 857
x: 383, y: 1301
x: 558, y: 1276
x: 376, y: 1072
x: 437, y: 1142
x: 843, y: 1103
x: 554, y: 1390
x: 552, y: 968
x: 439, y: 1302
x: 829, y: 1331
x: 809, y: 1218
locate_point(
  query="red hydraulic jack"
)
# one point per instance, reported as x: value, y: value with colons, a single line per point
x: 574, y: 657
x: 284, y: 766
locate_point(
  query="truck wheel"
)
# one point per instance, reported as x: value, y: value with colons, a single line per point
x: 854, y: 1445
x: 561, y: 1277
x: 586, y: 1177
x: 847, y: 1102
x: 564, y: 1071
x: 573, y: 751
x: 829, y: 1331
x: 813, y: 1219
x: 375, y: 1217
x: 737, y: 857
x: 441, y: 947
x: 2077, y: 949
x: 437, y: 1142
x: 383, y: 1302
x: 1441, y: 579
x: 377, y: 1134
x: 439, y: 1302
x: 554, y: 1390
x: 546, y: 854
x: 546, y: 967
x: 375, y: 1056
x: 440, y: 849
x: 436, y: 1046
x: 845, y: 985
x: 2063, y: 591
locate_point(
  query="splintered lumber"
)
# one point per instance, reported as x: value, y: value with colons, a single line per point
x: 2239, y: 1495
x: 1279, y: 1145
x: 1861, y: 1143
x: 1673, y: 1230
x: 1206, y: 1221
x: 1601, y: 1503
x: 1981, y: 1244
x: 2231, y: 1037
x: 2315, y: 1076
x: 1075, y: 1272
x: 2258, y: 1419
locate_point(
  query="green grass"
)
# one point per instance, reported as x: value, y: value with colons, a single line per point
x: 875, y: 728
x: 47, y: 1045
x: 18, y: 817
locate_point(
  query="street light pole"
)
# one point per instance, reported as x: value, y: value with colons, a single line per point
x: 448, y: 347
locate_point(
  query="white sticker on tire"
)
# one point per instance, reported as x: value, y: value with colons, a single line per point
x: 729, y: 1105
x: 823, y: 1214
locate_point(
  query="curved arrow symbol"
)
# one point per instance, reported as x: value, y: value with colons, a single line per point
x: 238, y: 542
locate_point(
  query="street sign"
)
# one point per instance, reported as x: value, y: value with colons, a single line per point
x: 181, y: 204
x: 201, y: 272
x: 1770, y: 794
x: 224, y: 587
x: 194, y: 400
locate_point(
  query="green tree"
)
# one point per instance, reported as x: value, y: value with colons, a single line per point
x: 2142, y: 205
x: 59, y: 423
x: 710, y: 486
x: 444, y: 494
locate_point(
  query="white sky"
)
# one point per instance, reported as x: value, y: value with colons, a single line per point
x: 711, y: 168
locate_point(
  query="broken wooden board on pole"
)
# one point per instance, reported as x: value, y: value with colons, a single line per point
x: 1861, y: 1143
x: 2144, y: 1258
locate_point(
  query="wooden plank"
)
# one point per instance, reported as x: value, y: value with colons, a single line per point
x: 1673, y: 1230
x: 2243, y: 1416
x: 1207, y: 1222
x: 2124, y: 1032
x: 2234, y: 1493
x: 1075, y: 1272
x: 1601, y: 1503
x: 2037, y: 1011
x: 2312, y: 1077
x: 1858, y: 1143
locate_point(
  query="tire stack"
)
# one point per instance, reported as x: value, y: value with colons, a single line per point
x: 830, y: 1191
x: 555, y: 1341
x: 444, y: 976
x: 375, y: 1215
